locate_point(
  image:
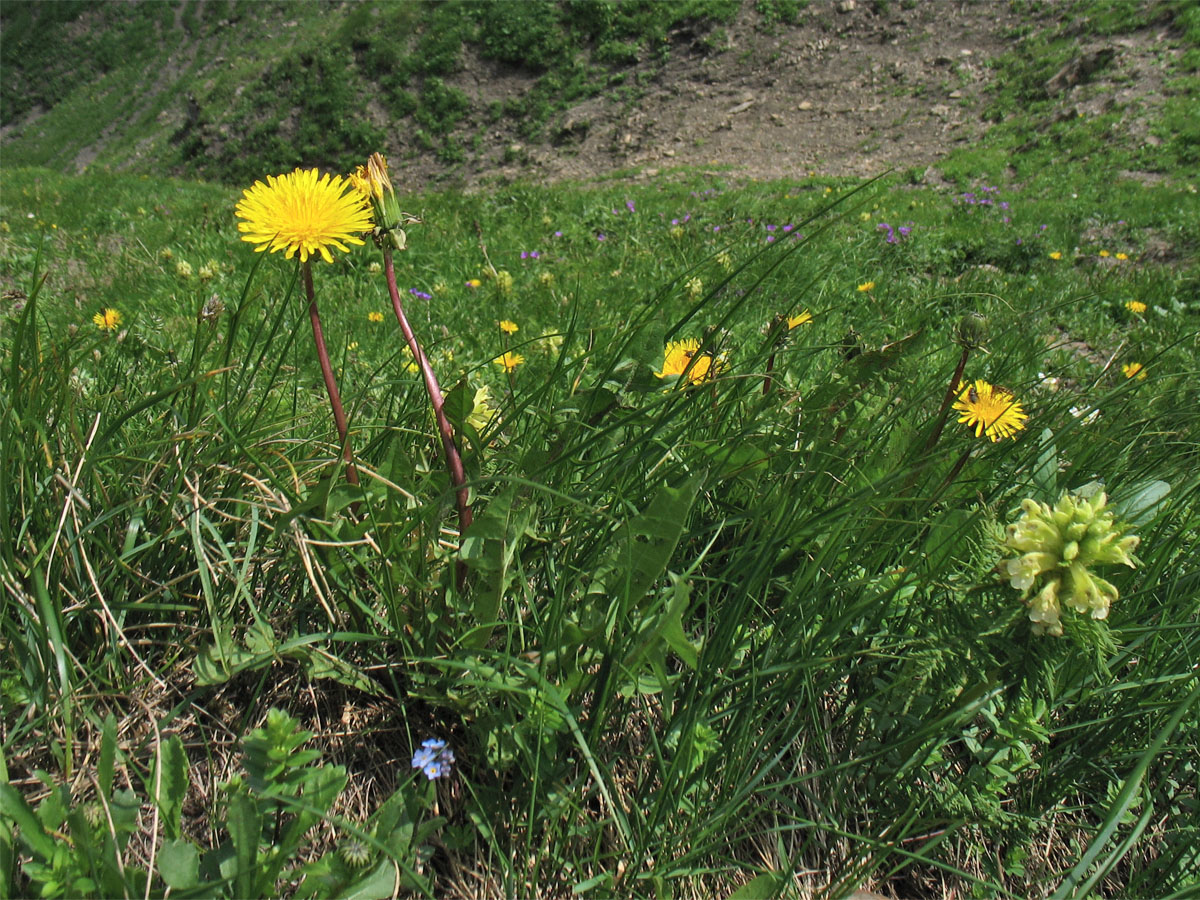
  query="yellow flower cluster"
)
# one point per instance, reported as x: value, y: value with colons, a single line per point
x: 1057, y: 547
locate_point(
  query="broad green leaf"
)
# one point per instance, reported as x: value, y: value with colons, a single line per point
x: 179, y: 864
x: 108, y: 752
x: 379, y: 884
x: 1139, y: 503
x: 14, y: 808
x: 169, y: 782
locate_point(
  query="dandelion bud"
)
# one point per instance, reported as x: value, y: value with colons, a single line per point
x: 373, y: 183
x: 972, y: 330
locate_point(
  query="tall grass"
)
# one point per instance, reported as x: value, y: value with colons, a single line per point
x: 714, y: 637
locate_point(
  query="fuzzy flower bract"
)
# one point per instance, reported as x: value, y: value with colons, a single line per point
x: 1057, y: 547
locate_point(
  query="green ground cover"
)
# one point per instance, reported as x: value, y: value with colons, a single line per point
x: 740, y: 632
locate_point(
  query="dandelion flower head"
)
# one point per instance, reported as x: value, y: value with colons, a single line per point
x: 990, y: 409
x: 375, y: 316
x: 1137, y: 307
x: 678, y: 355
x: 303, y: 212
x: 107, y: 319
x: 509, y: 360
x: 1133, y: 370
x: 508, y: 326
x: 802, y: 319
x: 866, y: 286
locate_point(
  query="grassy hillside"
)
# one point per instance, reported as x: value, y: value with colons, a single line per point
x: 227, y: 89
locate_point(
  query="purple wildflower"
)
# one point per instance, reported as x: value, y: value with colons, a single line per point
x: 420, y: 294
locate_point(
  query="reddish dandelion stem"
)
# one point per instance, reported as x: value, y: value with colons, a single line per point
x: 335, y: 400
x: 445, y: 429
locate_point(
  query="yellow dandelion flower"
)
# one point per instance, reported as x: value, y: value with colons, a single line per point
x: 678, y: 355
x: 1133, y: 370
x: 1057, y: 254
x: 866, y: 286
x: 303, y: 212
x: 1135, y: 306
x: 1104, y: 254
x: 107, y: 319
x: 473, y: 283
x: 803, y: 319
x: 375, y: 316
x: 508, y: 327
x: 990, y: 409
x: 1122, y: 256
x: 509, y: 361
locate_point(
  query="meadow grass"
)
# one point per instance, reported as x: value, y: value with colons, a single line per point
x: 745, y: 637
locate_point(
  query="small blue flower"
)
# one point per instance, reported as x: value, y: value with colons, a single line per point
x: 434, y: 759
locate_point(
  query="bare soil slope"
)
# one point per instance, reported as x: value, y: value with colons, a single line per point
x: 844, y: 91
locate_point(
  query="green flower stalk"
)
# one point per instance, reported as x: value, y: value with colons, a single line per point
x: 1058, y: 547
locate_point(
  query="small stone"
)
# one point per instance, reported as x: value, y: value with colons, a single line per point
x: 804, y: 105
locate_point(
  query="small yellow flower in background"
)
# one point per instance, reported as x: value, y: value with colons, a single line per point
x: 678, y: 355
x: 375, y: 316
x: 866, y: 286
x: 509, y: 361
x: 676, y: 232
x: 1133, y: 370
x: 183, y: 269
x: 694, y: 288
x: 165, y: 254
x: 990, y: 409
x: 1057, y: 547
x: 1122, y: 256
x: 1057, y: 254
x: 410, y: 365
x: 439, y: 288
x: 504, y: 281
x: 353, y: 345
x: 303, y: 212
x: 508, y: 326
x: 803, y: 319
x: 209, y: 270
x: 473, y: 283
x: 374, y: 267
x: 1135, y: 306
x: 107, y: 319
x: 725, y: 261
x: 1104, y: 254
x: 546, y: 278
